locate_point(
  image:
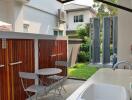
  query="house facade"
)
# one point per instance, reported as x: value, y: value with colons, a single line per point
x: 77, y: 14
x: 125, y: 32
x: 33, y: 16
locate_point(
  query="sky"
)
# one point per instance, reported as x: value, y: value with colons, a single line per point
x: 84, y: 2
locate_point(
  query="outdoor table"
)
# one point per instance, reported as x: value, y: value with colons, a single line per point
x: 49, y: 71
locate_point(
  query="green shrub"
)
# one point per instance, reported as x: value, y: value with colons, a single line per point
x: 84, y: 53
x: 87, y: 40
x: 111, y: 49
x: 101, y: 48
x: 83, y: 56
x: 81, y: 31
x: 84, y: 47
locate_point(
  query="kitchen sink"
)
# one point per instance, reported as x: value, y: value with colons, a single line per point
x: 104, y: 92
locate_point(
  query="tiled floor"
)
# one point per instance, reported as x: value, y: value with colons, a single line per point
x: 70, y: 86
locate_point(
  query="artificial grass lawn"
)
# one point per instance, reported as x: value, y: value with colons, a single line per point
x: 81, y: 71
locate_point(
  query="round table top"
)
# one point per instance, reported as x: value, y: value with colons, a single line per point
x: 49, y: 71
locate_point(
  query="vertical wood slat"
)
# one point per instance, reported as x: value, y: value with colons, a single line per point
x: 20, y: 50
x: 51, y: 51
x: 3, y: 74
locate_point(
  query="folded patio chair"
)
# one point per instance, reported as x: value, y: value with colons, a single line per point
x: 37, y: 89
x: 59, y: 78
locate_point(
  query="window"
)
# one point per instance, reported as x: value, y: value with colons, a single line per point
x: 55, y: 33
x: 74, y: 18
x: 25, y: 28
x: 58, y: 32
x: 81, y: 18
x: 78, y: 18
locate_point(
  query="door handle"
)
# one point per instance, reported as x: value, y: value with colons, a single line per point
x: 2, y: 65
x: 15, y: 63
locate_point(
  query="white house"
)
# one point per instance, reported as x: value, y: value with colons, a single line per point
x: 77, y: 14
x: 33, y: 16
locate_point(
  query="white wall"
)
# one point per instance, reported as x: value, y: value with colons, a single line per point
x: 12, y: 13
x: 74, y: 6
x: 50, y: 6
x: 18, y: 17
x: 125, y: 32
x: 3, y: 11
x: 70, y: 18
x: 42, y: 16
x: 39, y: 21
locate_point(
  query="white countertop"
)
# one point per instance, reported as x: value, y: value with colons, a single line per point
x: 119, y: 77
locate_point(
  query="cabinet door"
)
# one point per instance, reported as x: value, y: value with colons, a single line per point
x: 3, y: 74
x: 21, y: 59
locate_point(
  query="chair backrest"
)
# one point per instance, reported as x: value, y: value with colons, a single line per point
x: 27, y: 75
x: 61, y: 63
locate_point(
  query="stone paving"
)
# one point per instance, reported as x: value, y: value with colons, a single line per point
x: 70, y: 86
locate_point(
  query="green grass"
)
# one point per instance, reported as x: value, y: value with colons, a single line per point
x: 81, y: 71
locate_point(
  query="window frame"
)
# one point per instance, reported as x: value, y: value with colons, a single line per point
x: 58, y: 32
x: 78, y: 18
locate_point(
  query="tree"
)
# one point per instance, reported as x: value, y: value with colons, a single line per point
x: 104, y: 9
x: 83, y: 32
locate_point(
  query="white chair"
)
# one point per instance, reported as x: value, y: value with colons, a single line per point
x: 59, y: 78
x: 37, y: 89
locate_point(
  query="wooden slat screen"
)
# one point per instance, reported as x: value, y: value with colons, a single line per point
x: 20, y: 50
x: 51, y: 51
x: 23, y: 50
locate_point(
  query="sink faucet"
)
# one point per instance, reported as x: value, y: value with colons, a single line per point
x: 122, y: 62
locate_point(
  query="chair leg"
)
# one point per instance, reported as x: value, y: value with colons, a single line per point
x: 59, y: 90
x: 36, y: 95
x: 28, y: 94
x: 29, y: 98
x: 64, y: 89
